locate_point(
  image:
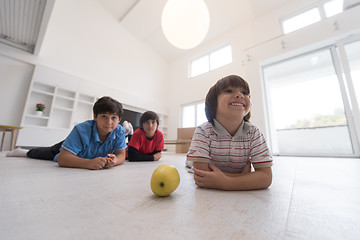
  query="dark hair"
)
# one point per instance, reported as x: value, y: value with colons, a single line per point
x: 212, y: 96
x: 108, y: 105
x: 149, y: 115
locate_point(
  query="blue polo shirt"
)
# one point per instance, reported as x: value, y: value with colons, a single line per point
x: 83, y: 141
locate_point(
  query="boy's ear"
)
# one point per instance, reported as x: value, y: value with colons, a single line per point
x: 94, y: 117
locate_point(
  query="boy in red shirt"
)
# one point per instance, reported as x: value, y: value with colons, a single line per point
x: 147, y: 142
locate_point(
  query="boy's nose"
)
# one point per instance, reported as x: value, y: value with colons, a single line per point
x: 238, y: 94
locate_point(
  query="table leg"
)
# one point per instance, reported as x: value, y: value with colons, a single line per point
x: 12, y: 139
x: 3, y: 140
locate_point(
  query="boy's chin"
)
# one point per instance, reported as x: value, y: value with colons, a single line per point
x: 108, y: 130
x: 150, y: 132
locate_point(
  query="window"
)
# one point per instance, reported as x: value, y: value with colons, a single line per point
x: 210, y: 61
x: 308, y: 110
x: 193, y: 114
x: 333, y: 7
x: 220, y: 57
x: 200, y: 66
x: 312, y: 15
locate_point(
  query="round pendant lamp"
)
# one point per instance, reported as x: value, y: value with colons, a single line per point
x: 185, y: 23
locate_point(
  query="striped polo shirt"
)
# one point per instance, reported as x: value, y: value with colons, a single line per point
x: 213, y: 144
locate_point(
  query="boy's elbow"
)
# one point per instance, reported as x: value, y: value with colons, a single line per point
x: 266, y: 177
x: 60, y: 161
x: 61, y: 158
x: 268, y: 180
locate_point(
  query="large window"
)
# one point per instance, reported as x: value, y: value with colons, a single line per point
x: 311, y: 15
x: 311, y: 106
x: 193, y: 114
x: 210, y: 61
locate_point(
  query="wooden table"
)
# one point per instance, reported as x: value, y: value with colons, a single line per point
x: 182, y: 145
x: 12, y: 129
x: 179, y: 141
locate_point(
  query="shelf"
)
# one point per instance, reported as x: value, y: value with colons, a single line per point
x: 38, y: 97
x: 36, y: 121
x: 65, y: 98
x: 83, y: 111
x: 36, y: 116
x: 45, y: 88
x: 64, y: 103
x: 33, y: 126
x: 43, y: 92
x: 61, y: 92
x: 60, y: 118
x: 64, y: 109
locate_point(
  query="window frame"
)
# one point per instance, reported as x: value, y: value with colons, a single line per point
x: 195, y: 104
x: 321, y: 7
x: 208, y: 54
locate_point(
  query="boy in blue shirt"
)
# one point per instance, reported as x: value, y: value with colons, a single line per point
x: 98, y: 143
x: 93, y: 144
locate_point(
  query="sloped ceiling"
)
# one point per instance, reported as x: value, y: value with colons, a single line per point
x: 142, y: 18
x: 20, y: 22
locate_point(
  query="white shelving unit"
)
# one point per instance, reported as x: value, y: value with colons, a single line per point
x: 65, y: 106
x: 68, y: 100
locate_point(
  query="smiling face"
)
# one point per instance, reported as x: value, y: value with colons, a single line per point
x: 149, y: 127
x: 233, y: 104
x: 106, y: 123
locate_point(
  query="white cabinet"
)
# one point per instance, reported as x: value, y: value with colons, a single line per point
x: 65, y: 106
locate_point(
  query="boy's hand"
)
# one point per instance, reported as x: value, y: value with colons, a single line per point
x: 214, y: 178
x: 110, y: 161
x: 157, y: 156
x: 97, y: 163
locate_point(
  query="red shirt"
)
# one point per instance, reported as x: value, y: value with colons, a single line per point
x: 144, y: 145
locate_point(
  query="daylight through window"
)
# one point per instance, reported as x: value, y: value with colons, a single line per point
x: 312, y: 15
x: 210, y: 61
x: 193, y: 114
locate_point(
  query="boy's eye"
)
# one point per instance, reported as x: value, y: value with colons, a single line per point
x: 103, y: 116
x: 228, y: 91
x: 114, y: 118
x: 245, y: 93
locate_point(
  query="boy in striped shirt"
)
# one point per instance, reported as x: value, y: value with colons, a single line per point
x: 223, y: 149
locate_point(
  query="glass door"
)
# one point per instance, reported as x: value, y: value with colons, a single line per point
x: 349, y: 51
x: 309, y: 113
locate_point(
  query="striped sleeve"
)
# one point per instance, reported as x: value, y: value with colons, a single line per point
x: 260, y: 154
x: 200, y: 146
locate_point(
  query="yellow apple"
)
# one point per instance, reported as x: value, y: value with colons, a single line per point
x: 164, y: 180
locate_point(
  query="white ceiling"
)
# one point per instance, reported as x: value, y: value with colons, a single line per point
x: 142, y: 18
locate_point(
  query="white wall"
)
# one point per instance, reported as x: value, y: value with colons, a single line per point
x: 15, y: 79
x: 263, y: 42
